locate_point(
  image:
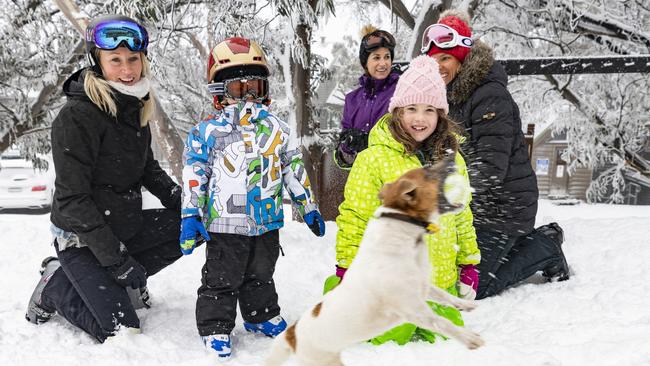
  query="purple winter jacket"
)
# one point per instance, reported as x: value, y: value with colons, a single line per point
x: 366, y: 104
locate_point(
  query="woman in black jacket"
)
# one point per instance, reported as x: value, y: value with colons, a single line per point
x: 505, y: 194
x: 107, y: 245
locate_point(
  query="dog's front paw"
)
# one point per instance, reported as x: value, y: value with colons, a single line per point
x: 465, y: 305
x: 472, y: 340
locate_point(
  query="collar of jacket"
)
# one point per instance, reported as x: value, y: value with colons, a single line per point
x: 372, y: 86
x: 128, y: 107
x: 245, y: 113
x: 475, y: 68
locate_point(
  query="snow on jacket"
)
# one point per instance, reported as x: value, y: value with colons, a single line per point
x: 101, y: 164
x: 382, y: 162
x: 236, y: 163
x: 505, y: 196
x: 365, y: 105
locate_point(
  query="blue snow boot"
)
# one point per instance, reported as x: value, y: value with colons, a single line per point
x: 219, y: 343
x: 269, y: 328
x: 37, y: 313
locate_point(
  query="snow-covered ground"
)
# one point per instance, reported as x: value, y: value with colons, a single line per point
x: 600, y: 317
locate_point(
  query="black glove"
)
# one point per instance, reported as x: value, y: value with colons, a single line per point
x: 129, y: 273
x: 354, y: 139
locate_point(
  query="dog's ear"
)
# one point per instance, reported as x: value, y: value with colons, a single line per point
x: 406, y: 189
x: 398, y: 193
x: 441, y: 170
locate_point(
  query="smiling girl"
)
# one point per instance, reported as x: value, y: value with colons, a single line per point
x: 416, y: 132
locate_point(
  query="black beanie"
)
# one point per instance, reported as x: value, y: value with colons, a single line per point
x: 364, y: 51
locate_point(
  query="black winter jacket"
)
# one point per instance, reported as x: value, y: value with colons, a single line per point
x: 101, y: 165
x: 505, y: 197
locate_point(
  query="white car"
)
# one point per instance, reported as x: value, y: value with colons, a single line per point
x: 22, y: 186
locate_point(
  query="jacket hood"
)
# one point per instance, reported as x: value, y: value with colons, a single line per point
x: 73, y: 87
x: 479, y: 68
x: 381, y: 135
x: 372, y: 86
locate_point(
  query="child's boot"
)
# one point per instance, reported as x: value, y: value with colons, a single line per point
x: 269, y: 328
x: 219, y: 343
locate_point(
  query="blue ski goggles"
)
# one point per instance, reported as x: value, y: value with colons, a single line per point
x: 111, y: 34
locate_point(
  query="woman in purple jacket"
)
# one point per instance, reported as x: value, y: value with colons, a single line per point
x: 366, y: 104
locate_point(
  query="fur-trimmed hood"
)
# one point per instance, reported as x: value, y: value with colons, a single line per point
x: 477, y: 69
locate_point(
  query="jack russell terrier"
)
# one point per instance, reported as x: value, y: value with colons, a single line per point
x: 372, y: 299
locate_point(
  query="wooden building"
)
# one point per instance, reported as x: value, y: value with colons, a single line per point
x: 554, y: 180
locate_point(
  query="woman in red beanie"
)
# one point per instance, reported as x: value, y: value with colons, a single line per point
x: 505, y: 187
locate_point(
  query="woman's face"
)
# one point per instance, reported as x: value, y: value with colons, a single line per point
x: 121, y: 65
x: 379, y: 63
x: 420, y: 121
x: 449, y: 66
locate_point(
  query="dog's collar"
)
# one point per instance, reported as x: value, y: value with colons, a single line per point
x: 428, y: 226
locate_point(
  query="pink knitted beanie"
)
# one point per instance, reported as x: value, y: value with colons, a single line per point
x: 420, y: 83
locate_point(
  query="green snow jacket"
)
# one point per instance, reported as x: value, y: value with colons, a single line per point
x: 384, y: 161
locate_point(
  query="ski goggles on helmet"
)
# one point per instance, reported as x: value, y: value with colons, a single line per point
x: 110, y: 34
x: 255, y: 87
x: 378, y: 39
x: 443, y: 36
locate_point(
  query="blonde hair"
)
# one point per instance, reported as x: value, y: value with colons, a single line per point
x: 101, y: 93
x: 444, y: 137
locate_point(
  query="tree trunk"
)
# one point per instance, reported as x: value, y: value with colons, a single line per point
x: 306, y: 126
x: 168, y: 139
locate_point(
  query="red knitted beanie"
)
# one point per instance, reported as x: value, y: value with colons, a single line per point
x: 463, y: 29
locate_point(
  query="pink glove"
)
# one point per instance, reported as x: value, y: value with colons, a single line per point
x: 468, y: 281
x: 340, y: 272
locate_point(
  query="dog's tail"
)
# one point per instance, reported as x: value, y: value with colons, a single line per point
x: 282, y: 347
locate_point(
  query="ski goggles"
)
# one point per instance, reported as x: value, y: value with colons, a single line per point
x: 444, y: 37
x: 378, y: 39
x: 255, y: 87
x: 110, y: 34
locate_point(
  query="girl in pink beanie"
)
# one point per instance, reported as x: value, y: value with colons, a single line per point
x: 415, y: 133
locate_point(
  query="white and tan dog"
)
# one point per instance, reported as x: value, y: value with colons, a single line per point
x: 387, y: 284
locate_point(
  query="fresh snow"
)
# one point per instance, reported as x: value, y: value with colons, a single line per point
x: 599, y: 317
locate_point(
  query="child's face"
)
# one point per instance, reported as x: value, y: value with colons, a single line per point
x: 230, y: 101
x: 420, y: 121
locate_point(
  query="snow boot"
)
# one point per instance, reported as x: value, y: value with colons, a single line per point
x: 553, y: 231
x: 270, y: 328
x: 139, y: 297
x: 560, y: 270
x: 219, y: 343
x: 37, y: 313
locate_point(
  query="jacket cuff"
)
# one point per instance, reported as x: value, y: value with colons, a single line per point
x: 309, y: 208
x: 188, y: 212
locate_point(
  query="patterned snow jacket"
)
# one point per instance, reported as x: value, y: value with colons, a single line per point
x: 235, y: 166
x: 382, y: 162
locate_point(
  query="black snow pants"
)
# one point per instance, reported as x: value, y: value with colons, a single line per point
x: 506, y: 261
x: 237, y: 267
x: 85, y: 294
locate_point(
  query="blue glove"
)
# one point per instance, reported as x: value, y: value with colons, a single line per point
x: 315, y: 222
x: 191, y: 227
